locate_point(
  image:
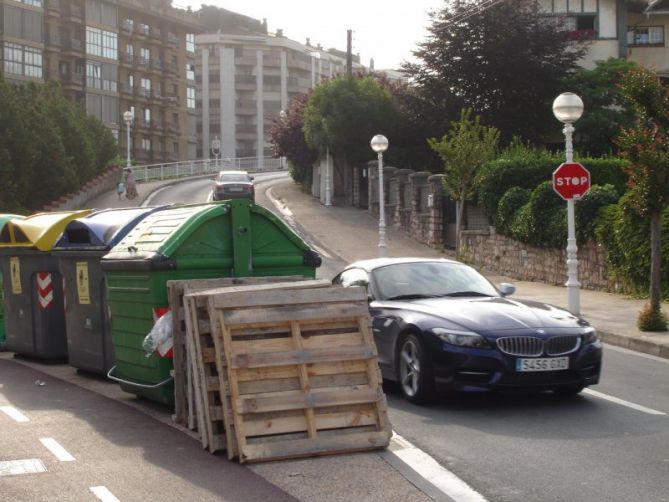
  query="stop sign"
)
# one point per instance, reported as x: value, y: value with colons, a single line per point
x: 571, y: 180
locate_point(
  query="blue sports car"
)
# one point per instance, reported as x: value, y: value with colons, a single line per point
x: 440, y: 325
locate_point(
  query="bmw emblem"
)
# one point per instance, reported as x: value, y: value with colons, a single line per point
x: 541, y: 332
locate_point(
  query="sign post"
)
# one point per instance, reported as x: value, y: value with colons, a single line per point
x: 571, y: 181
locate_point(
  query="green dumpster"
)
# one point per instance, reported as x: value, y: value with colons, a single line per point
x: 33, y: 286
x: 4, y: 218
x: 229, y: 239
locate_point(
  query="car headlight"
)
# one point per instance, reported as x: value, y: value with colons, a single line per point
x: 590, y: 336
x: 461, y: 338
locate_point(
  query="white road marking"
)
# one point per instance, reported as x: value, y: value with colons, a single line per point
x: 14, y: 413
x: 103, y: 493
x: 623, y: 350
x: 622, y: 402
x: 429, y: 468
x: 59, y: 452
x: 17, y: 467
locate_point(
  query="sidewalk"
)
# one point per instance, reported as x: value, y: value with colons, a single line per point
x: 352, y: 234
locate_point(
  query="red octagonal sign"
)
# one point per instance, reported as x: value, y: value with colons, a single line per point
x: 571, y: 180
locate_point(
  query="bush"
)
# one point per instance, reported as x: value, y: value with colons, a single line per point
x: 587, y: 210
x: 651, y: 320
x: 530, y: 170
x: 543, y: 220
x: 509, y: 204
x: 626, y: 237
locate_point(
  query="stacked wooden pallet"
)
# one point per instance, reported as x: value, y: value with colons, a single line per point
x: 296, y: 367
x: 187, y: 396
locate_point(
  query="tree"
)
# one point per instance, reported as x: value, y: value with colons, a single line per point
x: 606, y: 109
x: 464, y: 149
x: 646, y: 146
x: 505, y: 61
x: 344, y: 113
x: 288, y: 140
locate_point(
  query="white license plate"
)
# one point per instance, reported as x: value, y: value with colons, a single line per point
x: 235, y: 189
x: 543, y: 364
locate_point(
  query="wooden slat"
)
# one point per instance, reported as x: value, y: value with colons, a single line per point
x: 320, y: 368
x: 288, y: 313
x: 283, y: 423
x: 313, y: 447
x: 221, y: 295
x: 291, y: 400
x: 315, y: 382
x: 305, y: 356
x: 297, y: 294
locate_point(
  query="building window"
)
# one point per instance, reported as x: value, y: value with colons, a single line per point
x: 94, y: 75
x: 146, y: 144
x: 190, y: 42
x: 147, y: 115
x: 145, y: 54
x: 22, y: 60
x: 131, y: 81
x: 101, y: 76
x: 190, y: 71
x: 646, y: 35
x: 101, y: 43
x: 130, y: 49
x: 143, y: 29
x: 34, y: 3
x: 190, y: 98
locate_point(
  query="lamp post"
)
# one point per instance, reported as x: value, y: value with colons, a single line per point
x: 568, y: 108
x: 379, y: 144
x: 328, y: 181
x: 216, y: 149
x: 128, y: 117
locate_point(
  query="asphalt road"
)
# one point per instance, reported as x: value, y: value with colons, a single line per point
x: 611, y: 443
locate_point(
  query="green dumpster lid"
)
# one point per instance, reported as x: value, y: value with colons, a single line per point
x: 159, y: 235
x: 40, y: 230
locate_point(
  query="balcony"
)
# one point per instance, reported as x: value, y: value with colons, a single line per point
x: 157, y: 64
x: 53, y: 7
x: 74, y: 13
x: 172, y: 39
x: 73, y: 80
x: 172, y: 129
x: 73, y: 45
x: 143, y: 92
x: 126, y: 27
x: 126, y: 58
x: 156, y: 34
x: 127, y: 89
x: 142, y: 62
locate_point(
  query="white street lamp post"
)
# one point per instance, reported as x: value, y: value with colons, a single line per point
x: 379, y: 145
x: 128, y: 117
x: 328, y: 174
x: 216, y: 149
x: 568, y: 108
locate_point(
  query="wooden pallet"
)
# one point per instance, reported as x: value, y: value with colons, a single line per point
x: 302, y: 372
x: 210, y: 395
x: 184, y: 392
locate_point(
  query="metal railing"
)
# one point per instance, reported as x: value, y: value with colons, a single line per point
x: 204, y: 167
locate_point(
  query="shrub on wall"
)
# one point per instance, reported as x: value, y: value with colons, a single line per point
x: 528, y: 171
x: 543, y: 221
x: 626, y: 237
x: 587, y: 210
x: 509, y: 204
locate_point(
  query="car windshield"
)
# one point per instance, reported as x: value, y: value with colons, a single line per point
x: 234, y: 177
x: 430, y: 280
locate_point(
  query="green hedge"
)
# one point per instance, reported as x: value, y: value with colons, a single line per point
x: 626, y: 237
x: 529, y: 172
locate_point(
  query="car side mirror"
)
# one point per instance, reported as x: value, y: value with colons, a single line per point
x: 251, y: 177
x: 507, y: 289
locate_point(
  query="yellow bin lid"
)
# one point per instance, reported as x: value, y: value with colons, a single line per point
x: 40, y: 230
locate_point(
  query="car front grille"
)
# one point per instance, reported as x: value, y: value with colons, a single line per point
x: 530, y: 346
x: 521, y: 345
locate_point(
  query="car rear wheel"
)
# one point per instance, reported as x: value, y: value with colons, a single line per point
x: 415, y: 371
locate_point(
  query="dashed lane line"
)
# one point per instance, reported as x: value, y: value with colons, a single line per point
x: 103, y: 493
x: 58, y: 451
x: 18, y: 467
x: 14, y: 413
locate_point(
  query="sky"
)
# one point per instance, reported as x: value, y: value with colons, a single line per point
x: 384, y: 30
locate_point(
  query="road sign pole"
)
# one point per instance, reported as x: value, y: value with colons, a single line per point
x: 573, y: 286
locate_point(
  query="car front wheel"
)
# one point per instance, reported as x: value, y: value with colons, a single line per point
x: 415, y: 371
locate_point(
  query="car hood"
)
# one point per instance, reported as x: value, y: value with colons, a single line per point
x: 493, y: 314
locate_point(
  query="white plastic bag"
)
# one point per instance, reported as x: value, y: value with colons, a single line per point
x: 159, y: 338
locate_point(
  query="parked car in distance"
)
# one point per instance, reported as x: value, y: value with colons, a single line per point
x: 440, y: 325
x: 234, y: 185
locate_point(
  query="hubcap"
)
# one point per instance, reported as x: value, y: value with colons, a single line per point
x: 409, y: 368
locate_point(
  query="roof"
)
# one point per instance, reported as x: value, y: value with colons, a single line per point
x: 375, y: 263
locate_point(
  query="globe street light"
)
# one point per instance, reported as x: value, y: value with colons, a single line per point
x: 128, y: 117
x: 379, y: 145
x: 568, y: 108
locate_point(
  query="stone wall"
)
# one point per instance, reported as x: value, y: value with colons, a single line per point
x: 529, y: 263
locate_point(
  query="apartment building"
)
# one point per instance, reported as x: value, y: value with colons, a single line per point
x: 112, y: 56
x: 628, y: 29
x: 246, y: 76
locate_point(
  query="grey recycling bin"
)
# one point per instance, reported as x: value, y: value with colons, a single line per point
x: 33, y: 287
x: 87, y: 316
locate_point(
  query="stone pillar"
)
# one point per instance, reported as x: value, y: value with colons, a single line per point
x: 403, y: 208
x: 435, y: 237
x: 419, y: 215
x: 373, y: 173
x: 355, y: 195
